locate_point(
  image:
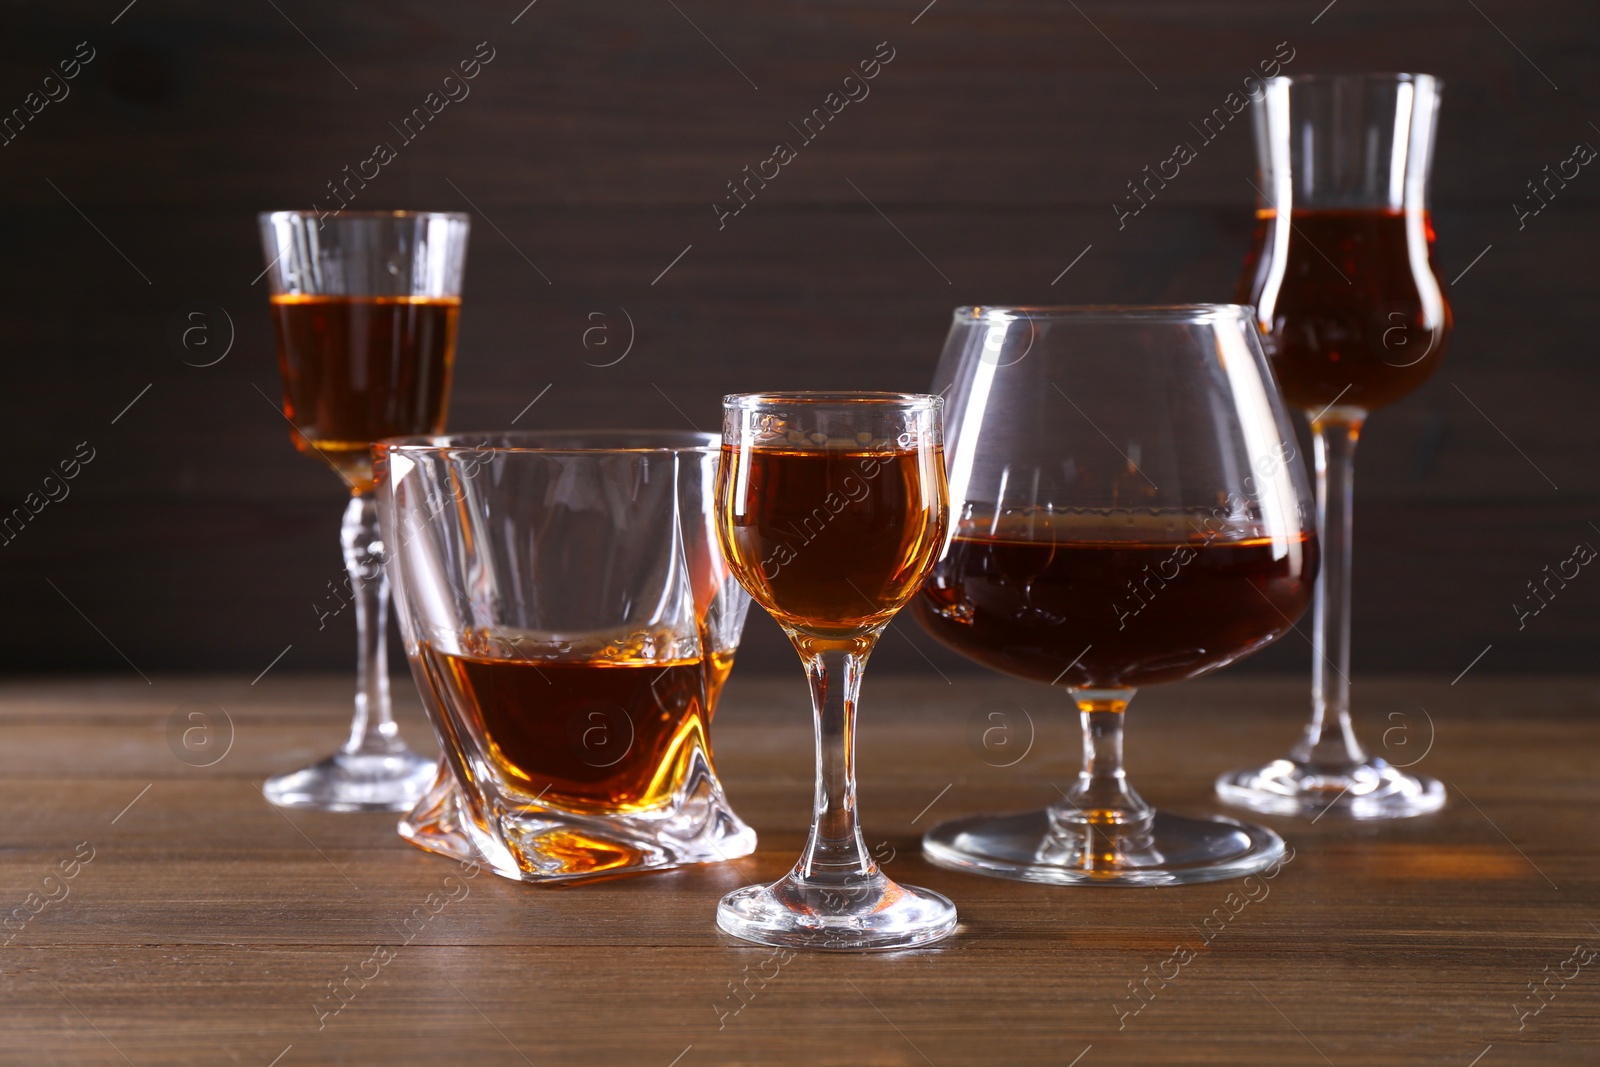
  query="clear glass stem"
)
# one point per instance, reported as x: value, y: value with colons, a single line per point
x: 373, y: 731
x: 835, y: 853
x: 1101, y: 812
x: 1330, y: 741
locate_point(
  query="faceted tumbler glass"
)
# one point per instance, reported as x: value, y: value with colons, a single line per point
x: 569, y: 622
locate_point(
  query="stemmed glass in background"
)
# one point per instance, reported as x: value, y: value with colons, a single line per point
x: 1353, y: 318
x: 365, y: 305
x: 1127, y: 513
x: 832, y: 508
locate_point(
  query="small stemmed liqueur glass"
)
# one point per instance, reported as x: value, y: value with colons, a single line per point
x: 365, y: 305
x: 832, y: 508
x: 1127, y: 514
x: 1353, y: 318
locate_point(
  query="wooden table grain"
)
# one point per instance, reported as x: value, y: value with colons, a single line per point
x: 159, y: 911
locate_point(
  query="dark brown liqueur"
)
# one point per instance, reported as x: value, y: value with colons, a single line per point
x: 1349, y: 325
x: 359, y: 369
x: 1113, y: 613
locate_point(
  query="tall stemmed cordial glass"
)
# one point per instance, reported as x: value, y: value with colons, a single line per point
x: 831, y: 510
x: 365, y: 306
x: 1127, y: 513
x: 1353, y: 318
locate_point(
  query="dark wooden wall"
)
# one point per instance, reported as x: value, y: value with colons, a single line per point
x: 591, y: 150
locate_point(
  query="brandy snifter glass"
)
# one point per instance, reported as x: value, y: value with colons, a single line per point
x: 1127, y: 513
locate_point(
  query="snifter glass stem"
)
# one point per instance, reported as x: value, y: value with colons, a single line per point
x: 373, y: 731
x: 835, y: 853
x: 1101, y: 815
x: 1337, y: 432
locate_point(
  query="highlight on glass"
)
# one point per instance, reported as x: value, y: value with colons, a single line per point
x: 569, y: 622
x: 1128, y: 510
x: 365, y: 307
x: 1354, y: 317
x: 831, y: 510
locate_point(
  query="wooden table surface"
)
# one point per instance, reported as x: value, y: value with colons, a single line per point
x: 201, y: 925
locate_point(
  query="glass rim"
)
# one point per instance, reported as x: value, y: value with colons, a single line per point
x: 368, y: 213
x: 1360, y: 76
x: 457, y: 441
x: 831, y: 398
x: 1110, y: 312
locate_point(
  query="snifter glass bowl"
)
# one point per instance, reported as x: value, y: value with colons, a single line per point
x: 569, y: 622
x: 1127, y: 510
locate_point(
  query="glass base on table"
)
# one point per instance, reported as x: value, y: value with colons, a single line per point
x: 535, y: 844
x: 853, y: 915
x: 1369, y: 790
x: 354, y: 781
x: 1172, y: 850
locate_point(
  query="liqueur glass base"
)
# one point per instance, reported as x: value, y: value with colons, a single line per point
x: 1031, y: 847
x: 354, y: 781
x: 541, y: 845
x: 1369, y: 790
x: 869, y: 913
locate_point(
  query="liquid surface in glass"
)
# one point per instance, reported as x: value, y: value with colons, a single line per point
x: 603, y: 736
x: 1359, y: 317
x: 357, y: 369
x: 831, y: 540
x: 1087, y: 606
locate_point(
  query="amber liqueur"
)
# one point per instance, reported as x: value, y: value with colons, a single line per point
x: 598, y: 736
x: 1359, y: 317
x: 359, y: 369
x: 831, y: 539
x: 1158, y: 603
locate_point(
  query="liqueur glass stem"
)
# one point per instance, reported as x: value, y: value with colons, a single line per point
x: 373, y: 730
x: 1330, y: 739
x: 835, y: 852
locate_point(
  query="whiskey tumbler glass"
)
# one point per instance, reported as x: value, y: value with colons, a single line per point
x: 569, y: 622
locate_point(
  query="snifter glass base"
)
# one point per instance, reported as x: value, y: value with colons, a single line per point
x: 1369, y: 790
x: 862, y: 913
x: 541, y: 845
x: 1031, y: 847
x: 354, y: 781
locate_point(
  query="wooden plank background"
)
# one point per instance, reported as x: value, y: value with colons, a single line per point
x: 591, y: 148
